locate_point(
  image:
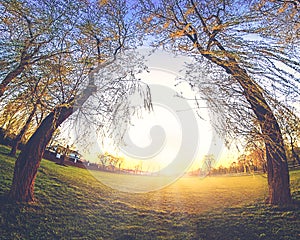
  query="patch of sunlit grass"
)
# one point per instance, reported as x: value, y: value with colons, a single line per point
x: 74, y: 205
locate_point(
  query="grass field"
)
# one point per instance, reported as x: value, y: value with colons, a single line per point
x: 72, y: 204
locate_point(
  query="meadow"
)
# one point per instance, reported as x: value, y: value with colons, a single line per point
x: 73, y: 204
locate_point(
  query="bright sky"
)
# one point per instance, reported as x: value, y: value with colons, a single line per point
x: 172, y: 138
x: 166, y: 128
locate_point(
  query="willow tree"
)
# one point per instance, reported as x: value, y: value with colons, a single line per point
x: 92, y: 42
x: 220, y: 33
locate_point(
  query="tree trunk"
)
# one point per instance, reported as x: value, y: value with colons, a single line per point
x: 15, y: 146
x: 28, y: 162
x: 294, y: 154
x: 277, y: 166
x: 10, y: 76
x: 19, y: 137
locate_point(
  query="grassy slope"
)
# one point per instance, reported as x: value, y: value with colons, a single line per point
x: 73, y: 205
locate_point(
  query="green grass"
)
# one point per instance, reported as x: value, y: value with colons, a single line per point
x: 72, y: 204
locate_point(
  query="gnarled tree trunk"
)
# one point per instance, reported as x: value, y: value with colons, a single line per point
x: 28, y: 162
x: 13, y: 74
x: 277, y: 166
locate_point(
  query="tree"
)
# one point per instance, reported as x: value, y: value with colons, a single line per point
x: 290, y: 126
x: 108, y: 160
x: 255, y: 151
x: 103, y: 160
x: 115, y: 162
x: 233, y: 167
x: 20, y: 135
x: 208, y: 162
x: 32, y: 96
x: 216, y: 32
x: 75, y: 76
x: 242, y: 163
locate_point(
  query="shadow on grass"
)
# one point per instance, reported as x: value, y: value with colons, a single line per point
x: 4, y: 150
x: 61, y: 164
x: 4, y: 199
x: 251, y: 222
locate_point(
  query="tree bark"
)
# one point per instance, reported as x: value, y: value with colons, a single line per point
x: 10, y: 76
x: 28, y: 162
x: 277, y: 166
x: 294, y: 154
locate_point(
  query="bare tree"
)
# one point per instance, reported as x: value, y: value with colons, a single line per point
x: 103, y: 160
x: 208, y: 162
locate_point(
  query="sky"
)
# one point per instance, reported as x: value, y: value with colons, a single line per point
x: 171, y: 138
